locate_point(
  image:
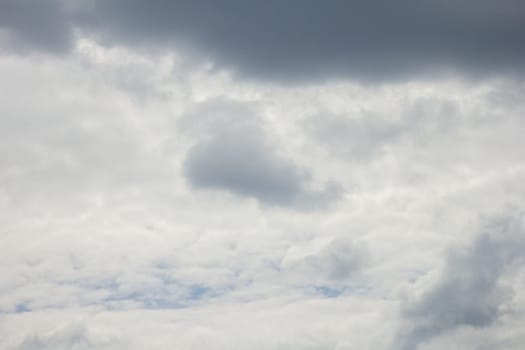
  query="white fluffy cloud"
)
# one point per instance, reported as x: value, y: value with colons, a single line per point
x: 152, y: 202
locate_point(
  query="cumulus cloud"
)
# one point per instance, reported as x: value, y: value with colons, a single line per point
x: 469, y: 293
x: 237, y: 156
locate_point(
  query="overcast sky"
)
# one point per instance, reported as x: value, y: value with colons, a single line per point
x: 262, y: 174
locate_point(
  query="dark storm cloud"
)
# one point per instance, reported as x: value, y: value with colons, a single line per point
x: 469, y: 292
x: 297, y: 39
x: 34, y: 24
x: 306, y: 39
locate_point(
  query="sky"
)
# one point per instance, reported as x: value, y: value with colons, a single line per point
x: 288, y: 175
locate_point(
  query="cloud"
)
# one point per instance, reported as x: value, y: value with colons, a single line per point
x: 72, y: 337
x: 100, y: 227
x: 308, y: 40
x: 294, y: 40
x: 237, y: 156
x: 35, y: 25
x: 337, y: 260
x: 469, y: 293
x: 320, y: 323
x: 328, y: 267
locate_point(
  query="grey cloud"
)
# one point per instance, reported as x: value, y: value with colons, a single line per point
x: 245, y: 167
x: 297, y: 39
x: 34, y: 24
x: 237, y: 156
x: 469, y: 292
x: 366, y: 134
x: 334, y: 262
x: 71, y: 337
x: 359, y: 138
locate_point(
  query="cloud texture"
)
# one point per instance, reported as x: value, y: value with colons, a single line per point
x: 302, y: 175
x: 469, y: 293
x: 296, y: 40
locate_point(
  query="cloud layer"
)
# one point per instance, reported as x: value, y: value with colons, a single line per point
x: 215, y: 175
x: 35, y: 25
x: 296, y: 40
